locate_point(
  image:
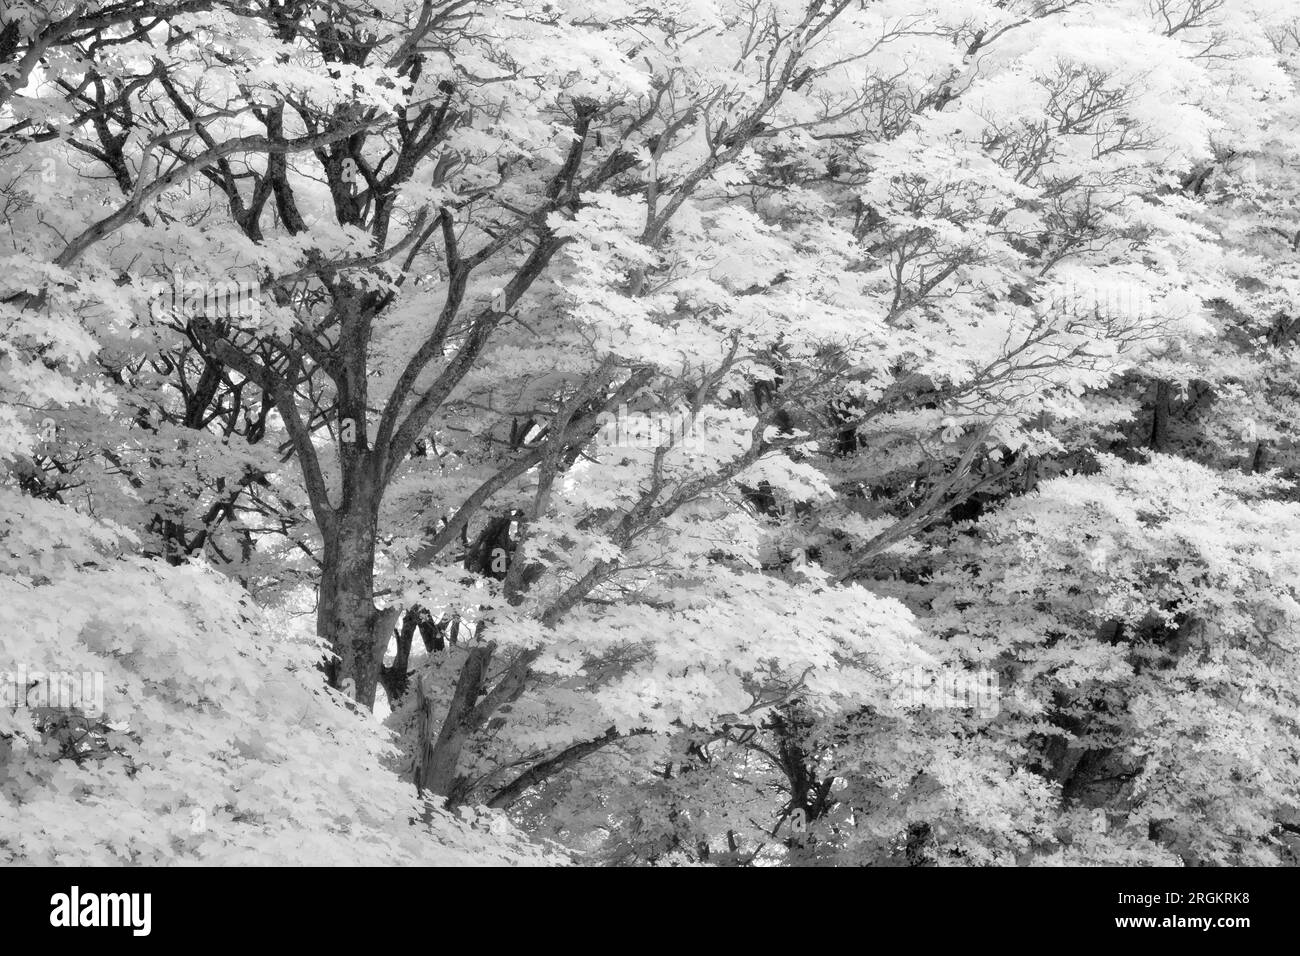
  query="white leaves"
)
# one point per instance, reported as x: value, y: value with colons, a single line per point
x: 203, y: 703
x: 608, y: 226
x: 799, y: 481
x: 965, y: 229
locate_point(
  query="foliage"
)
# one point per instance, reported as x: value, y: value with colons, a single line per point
x: 637, y: 409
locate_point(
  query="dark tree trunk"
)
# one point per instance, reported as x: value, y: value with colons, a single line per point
x: 346, y: 616
x: 395, y: 677
x: 1257, y: 460
x: 435, y: 770
x: 1160, y: 417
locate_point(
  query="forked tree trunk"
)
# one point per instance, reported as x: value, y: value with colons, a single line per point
x: 438, y: 757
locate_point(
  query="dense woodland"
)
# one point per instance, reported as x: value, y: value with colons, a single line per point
x: 698, y: 432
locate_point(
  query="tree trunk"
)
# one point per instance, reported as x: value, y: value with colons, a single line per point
x: 1257, y: 460
x: 346, y: 616
x: 394, y: 678
x: 436, y: 764
x: 1160, y: 417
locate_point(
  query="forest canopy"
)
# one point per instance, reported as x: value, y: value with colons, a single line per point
x: 724, y: 432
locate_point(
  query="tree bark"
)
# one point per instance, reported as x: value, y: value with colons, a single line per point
x: 435, y: 770
x: 1160, y: 417
x: 395, y: 678
x: 346, y: 616
x: 539, y: 773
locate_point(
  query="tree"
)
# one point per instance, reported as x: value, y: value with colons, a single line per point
x: 157, y: 719
x: 689, y: 381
